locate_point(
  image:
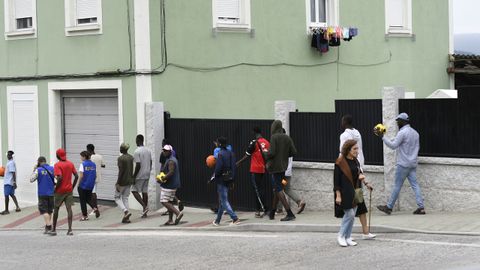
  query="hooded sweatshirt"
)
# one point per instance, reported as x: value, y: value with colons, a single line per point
x: 281, y: 148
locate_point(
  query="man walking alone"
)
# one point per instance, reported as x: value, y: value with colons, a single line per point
x: 407, y: 145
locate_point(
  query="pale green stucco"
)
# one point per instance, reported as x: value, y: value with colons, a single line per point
x: 280, y: 37
x: 238, y: 92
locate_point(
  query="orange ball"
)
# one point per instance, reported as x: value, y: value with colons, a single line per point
x: 2, y: 171
x: 211, y: 161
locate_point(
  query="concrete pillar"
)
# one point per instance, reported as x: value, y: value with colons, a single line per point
x: 154, y: 134
x: 390, y: 97
x: 282, y: 112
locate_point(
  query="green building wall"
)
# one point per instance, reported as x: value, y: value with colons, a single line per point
x: 356, y: 70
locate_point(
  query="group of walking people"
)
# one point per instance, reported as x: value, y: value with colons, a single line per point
x: 269, y: 159
x: 349, y: 177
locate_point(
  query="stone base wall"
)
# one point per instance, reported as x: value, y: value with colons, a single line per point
x: 447, y: 185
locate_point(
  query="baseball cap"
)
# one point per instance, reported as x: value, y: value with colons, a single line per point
x: 61, y: 154
x: 167, y: 147
x: 403, y: 116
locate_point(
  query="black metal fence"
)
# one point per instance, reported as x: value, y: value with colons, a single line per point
x: 447, y: 127
x: 192, y: 140
x: 316, y: 135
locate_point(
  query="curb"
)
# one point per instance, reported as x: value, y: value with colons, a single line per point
x: 273, y: 228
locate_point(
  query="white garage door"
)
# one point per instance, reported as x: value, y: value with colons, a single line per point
x: 24, y: 142
x: 93, y: 120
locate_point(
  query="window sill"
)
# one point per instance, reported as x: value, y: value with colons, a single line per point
x: 19, y: 34
x: 400, y: 34
x: 87, y: 29
x: 233, y: 28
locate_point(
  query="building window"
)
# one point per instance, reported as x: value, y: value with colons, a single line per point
x: 321, y: 13
x: 398, y: 17
x: 20, y: 19
x: 231, y: 14
x: 83, y: 17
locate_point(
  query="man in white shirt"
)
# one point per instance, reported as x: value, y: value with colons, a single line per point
x: 100, y: 164
x: 143, y: 166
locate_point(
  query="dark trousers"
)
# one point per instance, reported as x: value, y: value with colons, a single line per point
x: 258, y: 183
x: 85, y: 198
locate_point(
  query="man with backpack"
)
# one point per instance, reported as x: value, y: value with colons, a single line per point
x: 255, y: 151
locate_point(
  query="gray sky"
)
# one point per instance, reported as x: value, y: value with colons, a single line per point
x: 466, y: 17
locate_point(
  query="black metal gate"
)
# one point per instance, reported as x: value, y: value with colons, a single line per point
x: 192, y: 140
x: 316, y: 135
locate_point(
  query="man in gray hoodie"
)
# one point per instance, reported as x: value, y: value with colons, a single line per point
x: 281, y: 148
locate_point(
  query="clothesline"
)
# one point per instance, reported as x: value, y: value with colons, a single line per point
x: 331, y: 36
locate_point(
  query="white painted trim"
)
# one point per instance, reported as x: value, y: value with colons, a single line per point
x: 55, y: 113
x: 143, y: 83
x: 451, y: 43
x: 332, y: 15
x: 11, y: 32
x: 71, y: 26
x: 245, y: 17
x: 1, y: 141
x: 407, y: 28
x: 23, y: 89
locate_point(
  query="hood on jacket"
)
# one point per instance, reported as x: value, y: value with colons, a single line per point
x: 276, y: 127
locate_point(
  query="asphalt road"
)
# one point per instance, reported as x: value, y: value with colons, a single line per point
x: 232, y: 250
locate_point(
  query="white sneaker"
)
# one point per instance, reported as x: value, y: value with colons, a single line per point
x: 214, y: 223
x: 92, y: 213
x: 341, y: 241
x: 369, y: 236
x: 350, y: 242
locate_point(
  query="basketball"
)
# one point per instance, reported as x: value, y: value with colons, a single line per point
x: 160, y: 178
x: 2, y: 171
x: 380, y: 128
x: 211, y: 161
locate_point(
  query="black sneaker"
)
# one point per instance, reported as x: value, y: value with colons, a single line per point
x: 288, y: 218
x: 384, y: 209
x: 181, y: 206
x: 419, y: 211
x: 271, y: 215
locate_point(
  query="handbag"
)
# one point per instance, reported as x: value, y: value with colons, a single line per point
x: 358, y: 198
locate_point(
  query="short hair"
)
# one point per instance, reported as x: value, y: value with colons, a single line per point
x: 347, y: 146
x: 10, y: 152
x: 140, y: 138
x: 222, y: 141
x: 347, y: 119
x: 42, y: 159
x: 257, y: 130
x: 90, y: 147
x: 85, y: 154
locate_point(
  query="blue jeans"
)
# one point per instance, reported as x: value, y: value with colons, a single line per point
x: 347, y: 223
x: 222, y: 191
x: 400, y: 174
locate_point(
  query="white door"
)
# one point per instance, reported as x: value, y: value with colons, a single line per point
x: 93, y: 120
x: 24, y: 142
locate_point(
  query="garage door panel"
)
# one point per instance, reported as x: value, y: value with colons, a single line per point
x: 94, y: 120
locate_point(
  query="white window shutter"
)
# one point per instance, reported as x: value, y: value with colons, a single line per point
x: 87, y: 9
x: 228, y: 9
x: 23, y: 9
x: 396, y: 13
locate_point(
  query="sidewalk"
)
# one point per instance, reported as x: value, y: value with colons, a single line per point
x: 201, y: 219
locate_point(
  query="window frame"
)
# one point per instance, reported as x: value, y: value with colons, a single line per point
x: 244, y: 24
x: 332, y: 15
x: 10, y: 22
x: 406, y: 28
x: 73, y: 28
